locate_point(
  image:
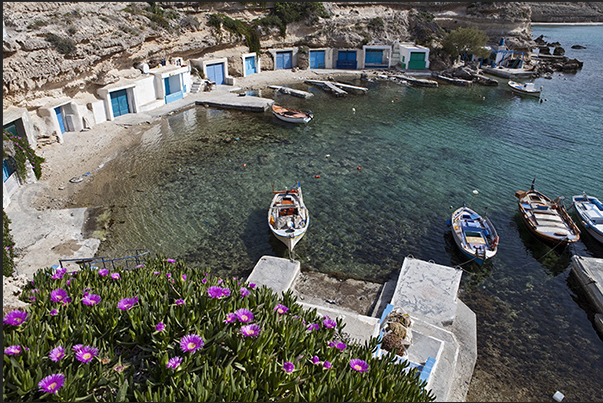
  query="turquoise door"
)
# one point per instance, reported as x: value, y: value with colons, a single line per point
x: 317, y: 59
x: 250, y: 65
x: 374, y: 56
x: 416, y: 61
x: 283, y: 60
x: 57, y: 110
x: 215, y: 73
x: 346, y: 59
x: 166, y: 81
x: 119, y: 103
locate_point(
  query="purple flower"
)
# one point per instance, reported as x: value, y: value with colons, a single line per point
x: 230, y: 317
x: 69, y: 281
x: 174, y: 362
x: 91, y: 299
x: 160, y: 327
x: 359, y: 365
x: 332, y: 344
x: 288, y: 367
x: 244, y: 315
x: 52, y: 383
x: 214, y: 291
x: 170, y: 260
x: 58, y: 295
x: 326, y: 364
x: 57, y: 353
x: 204, y: 281
x: 103, y: 272
x: 54, y: 312
x: 169, y: 275
x: 341, y: 346
x: 156, y: 272
x: 115, y: 276
x: 220, y: 281
x: 330, y: 323
x: 12, y: 350
x: 86, y: 354
x: 140, y: 266
x: 60, y: 272
x: 226, y: 292
x: 282, y: 309
x: 244, y: 292
x: 252, y: 285
x: 313, y: 326
x: 127, y: 303
x: 77, y: 347
x: 315, y: 360
x: 251, y: 330
x: 184, y: 277
x: 191, y: 342
x: 179, y: 301
x: 35, y: 291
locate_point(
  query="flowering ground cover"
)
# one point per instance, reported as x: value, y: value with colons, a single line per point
x: 167, y: 332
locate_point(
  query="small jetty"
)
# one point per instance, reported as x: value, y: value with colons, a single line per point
x: 291, y: 91
x: 589, y: 273
x: 453, y: 80
x: 336, y: 87
x: 417, y: 82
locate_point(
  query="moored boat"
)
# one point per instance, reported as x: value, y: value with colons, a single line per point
x: 547, y: 219
x: 291, y: 115
x: 475, y: 235
x: 590, y: 214
x: 525, y: 89
x: 288, y: 216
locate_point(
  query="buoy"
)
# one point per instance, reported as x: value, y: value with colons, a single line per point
x: 396, y: 99
x: 558, y: 396
x: 353, y: 110
x: 244, y: 165
x: 328, y: 155
x: 317, y: 176
x: 359, y: 168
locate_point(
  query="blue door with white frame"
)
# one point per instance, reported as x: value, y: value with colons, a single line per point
x: 284, y: 60
x: 57, y: 110
x: 346, y: 59
x: 317, y: 59
x: 250, y: 65
x: 119, y: 103
x: 373, y: 56
x: 215, y: 73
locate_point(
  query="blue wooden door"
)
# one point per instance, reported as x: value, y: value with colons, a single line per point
x: 119, y: 103
x: 166, y: 82
x: 6, y: 170
x: 374, y: 56
x: 317, y: 59
x: 250, y: 65
x: 215, y: 73
x: 283, y: 60
x: 57, y: 110
x: 346, y: 59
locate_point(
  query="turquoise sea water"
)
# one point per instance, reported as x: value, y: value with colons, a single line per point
x: 199, y: 185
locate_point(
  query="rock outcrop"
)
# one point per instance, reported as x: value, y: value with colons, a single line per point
x: 566, y: 11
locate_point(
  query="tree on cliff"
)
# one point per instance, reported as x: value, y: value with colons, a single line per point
x: 466, y: 41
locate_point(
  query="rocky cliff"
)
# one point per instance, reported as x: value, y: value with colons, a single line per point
x: 57, y: 50
x: 567, y: 12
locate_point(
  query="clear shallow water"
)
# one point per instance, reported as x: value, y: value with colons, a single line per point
x: 199, y: 186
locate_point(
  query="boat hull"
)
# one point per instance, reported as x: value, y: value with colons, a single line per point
x: 590, y: 215
x: 519, y: 89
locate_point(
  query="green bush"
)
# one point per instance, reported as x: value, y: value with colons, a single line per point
x: 283, y: 359
x: 23, y: 152
x: 8, y: 248
x: 62, y: 45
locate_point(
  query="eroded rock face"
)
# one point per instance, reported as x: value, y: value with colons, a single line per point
x: 11, y: 291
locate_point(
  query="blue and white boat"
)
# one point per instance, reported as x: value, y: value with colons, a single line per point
x: 288, y: 216
x: 590, y: 214
x: 475, y: 235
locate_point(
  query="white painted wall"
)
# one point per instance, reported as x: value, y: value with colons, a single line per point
x: 144, y: 92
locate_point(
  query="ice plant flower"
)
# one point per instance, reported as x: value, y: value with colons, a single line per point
x: 244, y: 315
x: 140, y: 266
x: 179, y: 301
x: 214, y: 291
x: 115, y: 276
x: 103, y: 272
x: 77, y: 347
x: 326, y: 364
x: 184, y: 277
x: 226, y: 292
x: 56, y: 353
x: 91, y: 299
x: 54, y: 312
x: 282, y: 309
x: 170, y: 260
x: 244, y: 292
x: 69, y: 281
x: 12, y: 350
x: 86, y: 354
x: 174, y: 362
x: 156, y: 272
x: 315, y: 360
x: 313, y: 326
x: 52, y: 383
x: 288, y: 367
x: 359, y: 365
x: 58, y: 295
x: 230, y: 317
x: 328, y: 322
x: 252, y: 285
x: 250, y: 330
x: 204, y: 281
x: 191, y: 342
x: 127, y: 303
x: 60, y: 272
x: 160, y: 327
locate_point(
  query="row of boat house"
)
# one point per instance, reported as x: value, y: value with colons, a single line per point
x: 174, y: 79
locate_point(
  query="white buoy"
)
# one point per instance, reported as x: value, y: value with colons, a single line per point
x: 354, y: 110
x: 475, y: 192
x: 558, y: 396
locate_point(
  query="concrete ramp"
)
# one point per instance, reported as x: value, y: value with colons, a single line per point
x: 276, y: 273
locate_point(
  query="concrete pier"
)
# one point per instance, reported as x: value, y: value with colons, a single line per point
x: 444, y: 329
x: 589, y: 273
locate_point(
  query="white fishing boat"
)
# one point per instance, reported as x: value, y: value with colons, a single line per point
x: 291, y: 115
x: 525, y: 89
x: 475, y: 235
x: 590, y: 214
x: 288, y: 217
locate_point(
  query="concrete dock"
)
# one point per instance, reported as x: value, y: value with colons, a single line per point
x: 589, y: 273
x: 444, y: 329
